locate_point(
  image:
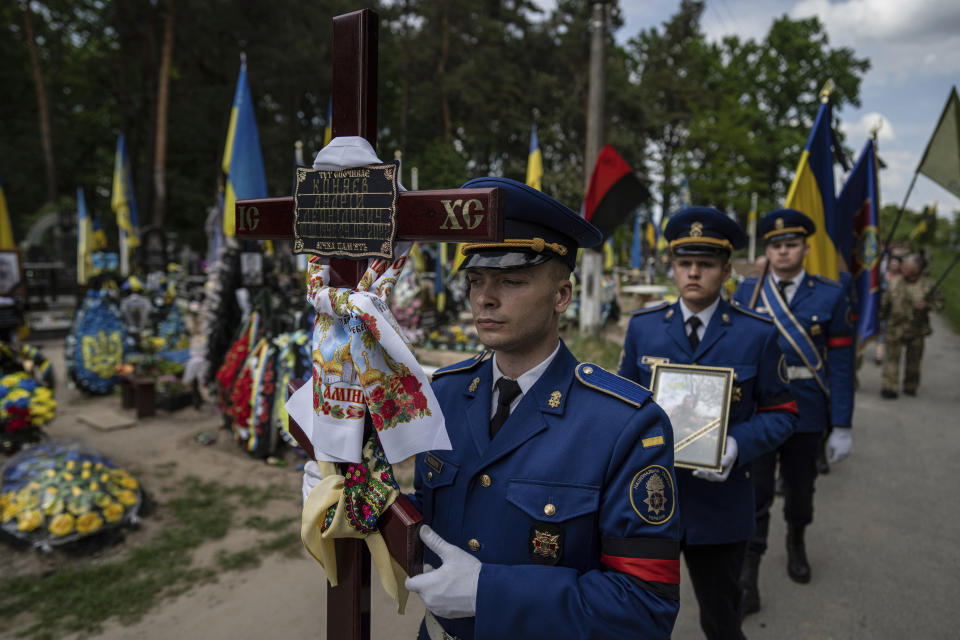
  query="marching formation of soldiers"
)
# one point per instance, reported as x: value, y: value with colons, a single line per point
x: 559, y: 512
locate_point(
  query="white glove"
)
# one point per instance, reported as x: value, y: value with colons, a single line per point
x: 311, y: 478
x: 839, y: 444
x: 726, y: 464
x: 451, y: 590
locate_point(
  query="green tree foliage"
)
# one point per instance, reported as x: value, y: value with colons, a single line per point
x: 460, y: 85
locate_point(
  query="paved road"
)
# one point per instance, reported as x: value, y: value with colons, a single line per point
x: 885, y: 543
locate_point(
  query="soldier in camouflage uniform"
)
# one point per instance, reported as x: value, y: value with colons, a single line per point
x: 906, y: 312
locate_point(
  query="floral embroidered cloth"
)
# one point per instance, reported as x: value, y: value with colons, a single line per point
x: 362, y: 363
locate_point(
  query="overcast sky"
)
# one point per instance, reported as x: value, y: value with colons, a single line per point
x: 914, y: 48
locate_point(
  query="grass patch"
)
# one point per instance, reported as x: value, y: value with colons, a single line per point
x: 79, y: 597
x: 246, y: 559
x: 595, y: 349
x: 942, y: 257
x: 263, y: 524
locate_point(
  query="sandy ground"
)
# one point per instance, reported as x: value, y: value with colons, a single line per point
x: 885, y: 547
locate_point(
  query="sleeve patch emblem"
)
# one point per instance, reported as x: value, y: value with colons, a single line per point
x: 652, y: 495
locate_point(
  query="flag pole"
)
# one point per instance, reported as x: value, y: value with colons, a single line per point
x: 903, y: 206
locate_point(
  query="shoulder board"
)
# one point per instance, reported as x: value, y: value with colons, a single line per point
x: 659, y: 307
x: 465, y: 365
x: 826, y: 280
x: 749, y: 312
x: 596, y: 377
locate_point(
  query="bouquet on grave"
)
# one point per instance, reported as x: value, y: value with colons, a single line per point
x: 61, y: 491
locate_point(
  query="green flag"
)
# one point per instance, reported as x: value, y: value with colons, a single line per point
x: 941, y: 160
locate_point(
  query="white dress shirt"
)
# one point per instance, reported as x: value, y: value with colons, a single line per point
x: 704, y: 317
x: 791, y: 291
x: 526, y: 380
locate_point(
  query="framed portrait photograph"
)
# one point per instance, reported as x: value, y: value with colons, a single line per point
x: 697, y: 401
x: 251, y: 269
x: 11, y: 273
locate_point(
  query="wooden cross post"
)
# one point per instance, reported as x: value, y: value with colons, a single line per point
x: 456, y: 215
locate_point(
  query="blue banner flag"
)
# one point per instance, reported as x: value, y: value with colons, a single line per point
x: 242, y: 159
x: 858, y: 208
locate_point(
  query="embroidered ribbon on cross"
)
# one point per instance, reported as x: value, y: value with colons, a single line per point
x: 362, y: 365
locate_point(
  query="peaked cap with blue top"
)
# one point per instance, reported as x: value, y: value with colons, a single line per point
x: 783, y: 224
x: 700, y: 231
x: 537, y: 228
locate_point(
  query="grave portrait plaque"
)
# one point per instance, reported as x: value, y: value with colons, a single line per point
x: 349, y: 213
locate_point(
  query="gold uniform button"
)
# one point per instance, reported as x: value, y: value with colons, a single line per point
x: 474, y: 544
x: 748, y: 474
x: 588, y: 370
x: 549, y: 509
x: 430, y: 475
x: 485, y: 480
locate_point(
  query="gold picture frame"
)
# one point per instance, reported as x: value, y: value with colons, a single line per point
x: 697, y: 401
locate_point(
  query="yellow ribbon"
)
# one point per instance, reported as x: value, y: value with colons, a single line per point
x: 320, y: 544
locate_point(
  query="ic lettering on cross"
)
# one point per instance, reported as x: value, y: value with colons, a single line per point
x: 455, y: 215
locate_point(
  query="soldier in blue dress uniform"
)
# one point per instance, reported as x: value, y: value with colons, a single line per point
x: 814, y: 319
x: 717, y: 508
x: 555, y: 513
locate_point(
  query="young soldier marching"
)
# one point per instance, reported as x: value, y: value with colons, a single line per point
x: 717, y: 515
x: 813, y: 317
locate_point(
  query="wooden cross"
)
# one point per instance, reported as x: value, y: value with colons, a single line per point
x: 457, y: 215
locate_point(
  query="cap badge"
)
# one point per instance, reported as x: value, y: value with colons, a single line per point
x: 696, y: 229
x: 554, y: 400
x: 779, y: 223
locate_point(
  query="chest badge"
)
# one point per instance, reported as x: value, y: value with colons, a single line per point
x: 554, y: 400
x: 473, y: 385
x: 546, y: 543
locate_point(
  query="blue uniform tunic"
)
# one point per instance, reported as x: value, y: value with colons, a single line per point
x: 762, y: 412
x: 822, y: 308
x: 571, y: 507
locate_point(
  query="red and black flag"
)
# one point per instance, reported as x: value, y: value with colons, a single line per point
x: 615, y: 192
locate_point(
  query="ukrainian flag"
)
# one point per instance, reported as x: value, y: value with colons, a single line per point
x: 534, y: 162
x: 328, y: 128
x: 242, y: 159
x: 99, y: 236
x: 84, y: 239
x: 6, y: 231
x: 813, y: 194
x: 121, y: 201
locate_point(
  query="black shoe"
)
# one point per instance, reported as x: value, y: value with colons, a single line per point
x: 823, y: 467
x: 750, y: 592
x: 888, y: 394
x: 797, y: 566
x: 911, y: 392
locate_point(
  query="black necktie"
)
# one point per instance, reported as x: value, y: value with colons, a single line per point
x: 694, y: 323
x: 782, y: 286
x: 508, y: 390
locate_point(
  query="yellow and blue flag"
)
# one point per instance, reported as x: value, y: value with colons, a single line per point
x: 84, y: 239
x: 328, y: 127
x: 813, y: 194
x: 858, y: 209
x: 99, y: 241
x: 122, y: 201
x: 6, y: 231
x: 534, y: 162
x: 242, y: 159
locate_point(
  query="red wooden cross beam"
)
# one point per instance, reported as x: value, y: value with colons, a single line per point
x: 457, y: 215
